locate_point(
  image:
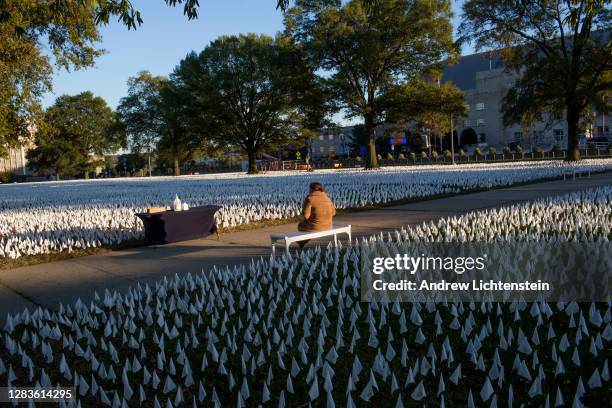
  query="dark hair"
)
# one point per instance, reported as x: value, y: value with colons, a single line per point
x: 316, y: 187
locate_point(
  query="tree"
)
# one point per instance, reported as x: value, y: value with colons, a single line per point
x: 239, y: 86
x: 562, y: 50
x: 180, y: 134
x: 428, y: 102
x: 70, y: 29
x: 366, y: 48
x: 77, y: 131
x: 140, y: 113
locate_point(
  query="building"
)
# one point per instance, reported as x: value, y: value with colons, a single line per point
x: 484, y: 82
x: 15, y: 162
x: 332, y: 142
x: 337, y: 141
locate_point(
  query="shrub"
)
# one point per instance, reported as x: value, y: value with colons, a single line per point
x: 6, y: 177
x: 518, y: 149
x: 358, y: 158
x: 389, y: 156
x: 507, y: 149
x: 461, y: 153
x: 401, y: 156
x: 412, y: 156
x: 434, y: 155
x: 492, y: 151
x: 446, y: 153
x: 423, y: 155
x: 478, y: 152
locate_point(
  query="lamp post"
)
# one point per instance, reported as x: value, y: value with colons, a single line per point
x: 452, y: 140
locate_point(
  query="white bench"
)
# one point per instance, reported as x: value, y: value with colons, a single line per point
x: 292, y: 237
x: 573, y: 172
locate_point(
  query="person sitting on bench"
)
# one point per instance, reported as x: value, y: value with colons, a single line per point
x: 318, y: 211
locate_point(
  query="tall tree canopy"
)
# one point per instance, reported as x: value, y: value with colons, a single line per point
x: 242, y: 90
x: 428, y: 102
x: 140, y: 113
x: 77, y: 131
x: 70, y: 30
x: 181, y: 135
x: 366, y: 48
x: 562, y: 49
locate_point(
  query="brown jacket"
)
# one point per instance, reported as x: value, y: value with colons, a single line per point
x: 318, y: 212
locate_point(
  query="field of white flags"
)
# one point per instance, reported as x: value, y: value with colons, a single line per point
x: 293, y: 332
x: 40, y: 218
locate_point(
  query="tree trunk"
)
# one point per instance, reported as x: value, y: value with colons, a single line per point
x: 372, y: 161
x: 252, y: 162
x: 573, y: 147
x: 177, y: 170
x: 86, y: 175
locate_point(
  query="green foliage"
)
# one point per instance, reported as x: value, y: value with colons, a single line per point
x: 518, y: 149
x: 478, y: 152
x: 365, y: 51
x: 412, y: 156
x: 492, y: 151
x: 562, y: 49
x: 447, y: 153
x: 423, y: 155
x: 6, y: 177
x: 401, y: 156
x: 240, y: 90
x: 140, y: 112
x: 389, y: 156
x: 68, y: 29
x: 461, y: 153
x: 507, y: 150
x: 427, y: 103
x: 434, y: 155
x: 77, y: 131
x: 538, y: 150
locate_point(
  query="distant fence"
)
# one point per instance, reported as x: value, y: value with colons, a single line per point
x: 441, y: 159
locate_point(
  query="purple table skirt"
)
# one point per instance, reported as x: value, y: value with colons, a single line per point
x: 173, y: 226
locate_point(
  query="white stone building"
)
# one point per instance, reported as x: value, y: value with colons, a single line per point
x: 484, y: 82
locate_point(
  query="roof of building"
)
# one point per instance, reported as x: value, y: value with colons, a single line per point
x: 463, y: 73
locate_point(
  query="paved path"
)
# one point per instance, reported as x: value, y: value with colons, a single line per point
x: 65, y: 281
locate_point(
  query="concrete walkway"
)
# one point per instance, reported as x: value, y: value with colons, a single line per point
x: 49, y: 284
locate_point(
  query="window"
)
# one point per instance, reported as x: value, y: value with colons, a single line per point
x: 322, y: 149
x: 467, y: 123
x: 481, y: 122
x: 538, y: 135
x: 480, y: 106
x: 518, y: 136
x: 321, y: 137
x: 331, y: 137
x: 558, y: 133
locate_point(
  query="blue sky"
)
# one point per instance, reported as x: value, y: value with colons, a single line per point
x: 164, y: 38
